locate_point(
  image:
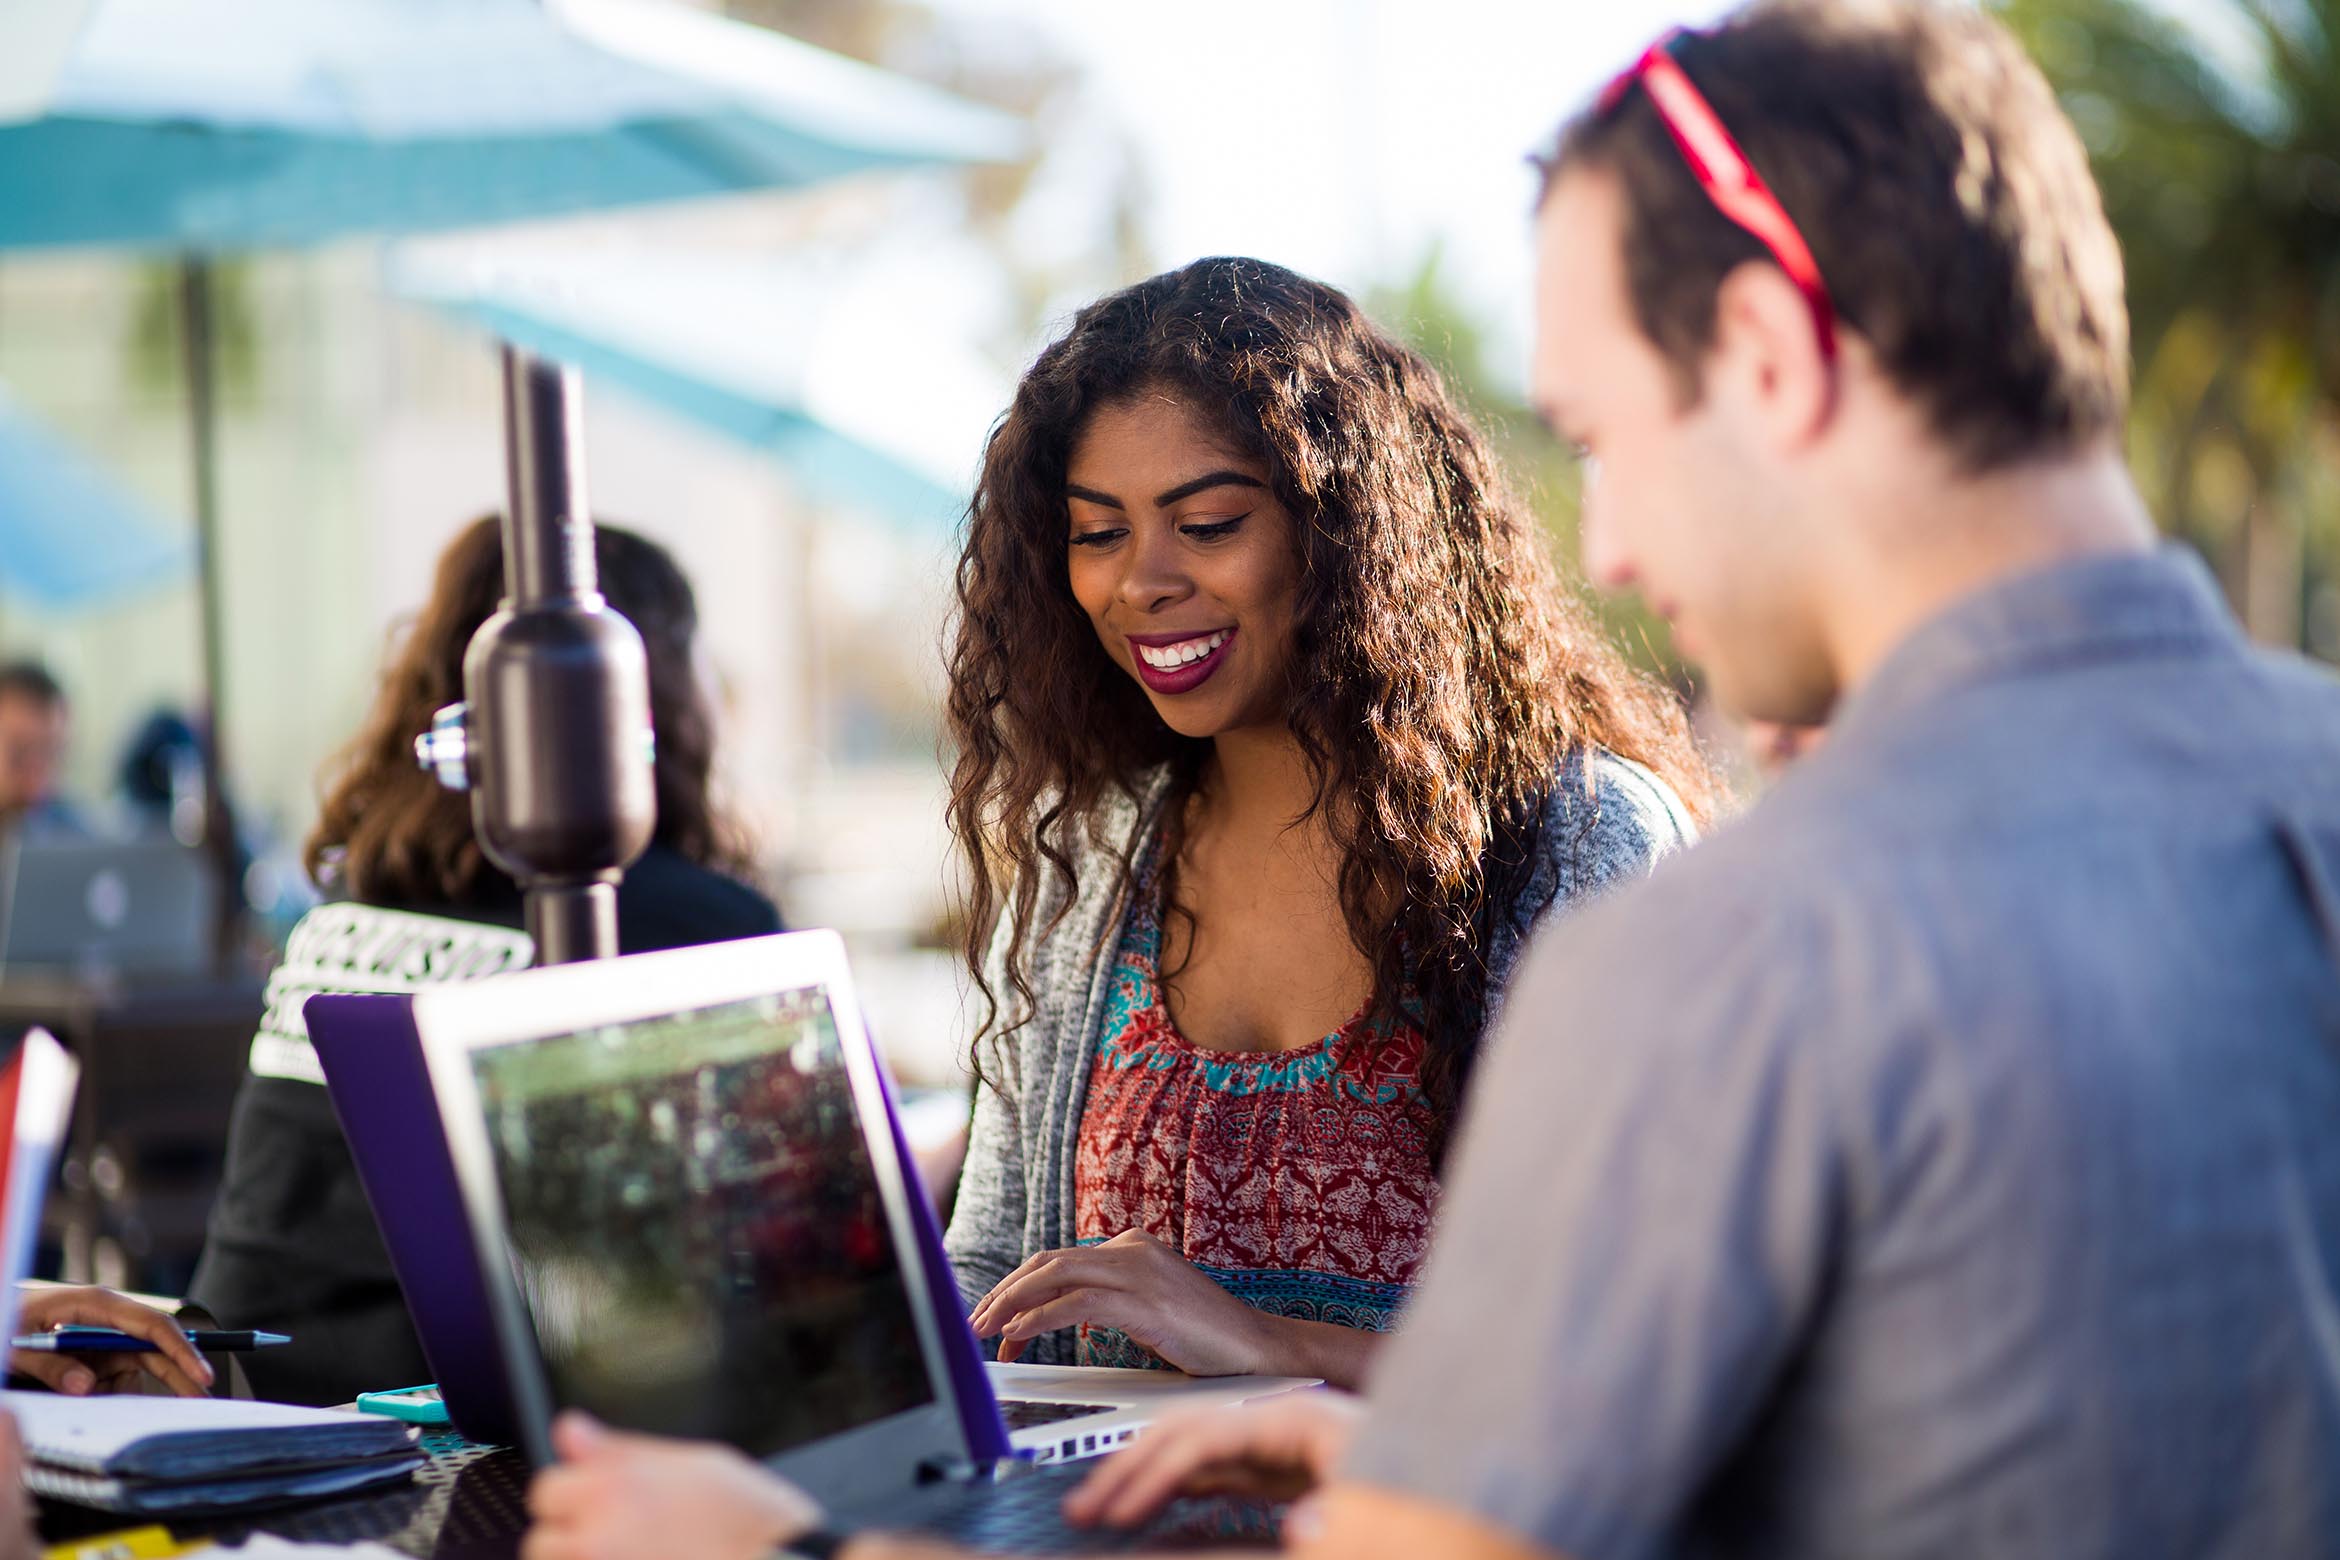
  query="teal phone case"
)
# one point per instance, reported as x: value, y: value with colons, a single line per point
x: 416, y: 1405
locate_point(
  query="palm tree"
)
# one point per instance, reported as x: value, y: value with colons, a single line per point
x: 2222, y: 176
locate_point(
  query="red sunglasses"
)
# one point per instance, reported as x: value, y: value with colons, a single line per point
x: 1724, y: 172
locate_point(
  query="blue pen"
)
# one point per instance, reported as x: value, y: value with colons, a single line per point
x: 109, y: 1340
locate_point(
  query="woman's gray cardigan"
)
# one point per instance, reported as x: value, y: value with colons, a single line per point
x: 1016, y: 1194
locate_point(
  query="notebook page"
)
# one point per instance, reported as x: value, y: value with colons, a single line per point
x: 87, y: 1432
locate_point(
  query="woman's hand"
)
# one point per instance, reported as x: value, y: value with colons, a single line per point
x: 1139, y: 1285
x: 616, y: 1496
x: 177, y: 1365
x: 1281, y: 1448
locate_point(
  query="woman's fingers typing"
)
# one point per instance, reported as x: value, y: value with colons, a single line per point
x: 1098, y: 1307
x: 1073, y: 1308
x: 1131, y: 1260
x: 1013, y: 1293
x: 1140, y: 1286
x: 1037, y: 1282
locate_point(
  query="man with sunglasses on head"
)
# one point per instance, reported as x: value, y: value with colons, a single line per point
x: 1940, y: 1160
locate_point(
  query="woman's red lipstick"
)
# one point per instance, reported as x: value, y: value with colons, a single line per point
x: 1183, y: 678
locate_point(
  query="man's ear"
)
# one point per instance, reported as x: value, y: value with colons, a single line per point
x: 1766, y: 356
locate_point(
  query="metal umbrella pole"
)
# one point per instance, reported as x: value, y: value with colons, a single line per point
x: 219, y: 841
x: 553, y: 739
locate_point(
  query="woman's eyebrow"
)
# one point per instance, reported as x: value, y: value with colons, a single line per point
x: 1209, y: 479
x: 1221, y: 478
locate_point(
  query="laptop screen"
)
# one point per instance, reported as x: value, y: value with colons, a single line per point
x: 696, y: 1228
x: 141, y: 905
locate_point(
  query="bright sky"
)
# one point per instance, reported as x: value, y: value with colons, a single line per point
x: 1343, y: 137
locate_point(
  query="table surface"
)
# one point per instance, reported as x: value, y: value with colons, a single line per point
x: 469, y: 1502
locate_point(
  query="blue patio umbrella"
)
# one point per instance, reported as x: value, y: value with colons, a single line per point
x: 208, y: 126
x: 69, y: 535
x: 769, y: 354
x: 223, y: 125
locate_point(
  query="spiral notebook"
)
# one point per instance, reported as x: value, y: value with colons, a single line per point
x: 213, y: 1497
x: 151, y: 1455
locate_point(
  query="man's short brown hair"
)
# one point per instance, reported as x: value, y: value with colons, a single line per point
x: 1943, y: 193
x: 31, y: 682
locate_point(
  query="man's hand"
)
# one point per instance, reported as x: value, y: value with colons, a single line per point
x: 177, y: 1365
x: 1139, y: 1285
x: 617, y: 1496
x: 1282, y: 1448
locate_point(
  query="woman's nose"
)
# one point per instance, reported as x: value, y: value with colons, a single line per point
x: 1156, y: 575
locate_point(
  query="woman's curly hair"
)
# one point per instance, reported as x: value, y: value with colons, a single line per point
x: 1440, y: 672
x: 387, y: 833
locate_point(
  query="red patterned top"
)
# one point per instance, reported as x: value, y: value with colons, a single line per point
x: 1299, y: 1180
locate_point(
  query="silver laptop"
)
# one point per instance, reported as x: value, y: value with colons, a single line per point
x: 696, y: 1217
x: 104, y: 906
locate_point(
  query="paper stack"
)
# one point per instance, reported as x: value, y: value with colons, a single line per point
x: 163, y: 1456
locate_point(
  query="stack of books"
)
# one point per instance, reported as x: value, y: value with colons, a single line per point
x: 168, y: 1456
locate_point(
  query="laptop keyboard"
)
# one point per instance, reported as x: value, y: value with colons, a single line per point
x: 1024, y: 1515
x: 1024, y: 1414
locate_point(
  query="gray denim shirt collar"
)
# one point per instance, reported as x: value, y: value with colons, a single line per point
x: 2106, y: 606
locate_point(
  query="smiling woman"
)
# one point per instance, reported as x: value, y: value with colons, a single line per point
x: 1276, y: 734
x: 1191, y: 590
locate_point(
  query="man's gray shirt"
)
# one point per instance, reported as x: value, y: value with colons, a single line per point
x: 1944, y: 1159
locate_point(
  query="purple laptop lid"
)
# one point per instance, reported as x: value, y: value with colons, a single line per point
x: 987, y: 1436
x: 381, y: 1089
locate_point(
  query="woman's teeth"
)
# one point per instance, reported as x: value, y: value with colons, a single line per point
x: 1166, y: 658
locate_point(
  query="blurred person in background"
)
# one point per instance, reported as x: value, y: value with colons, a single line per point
x: 35, y: 723
x: 159, y: 789
x: 1277, y: 733
x: 1753, y: 754
x: 1938, y: 1160
x: 160, y: 778
x: 1773, y: 745
x: 293, y: 1246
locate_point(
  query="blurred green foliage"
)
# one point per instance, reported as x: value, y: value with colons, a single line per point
x: 2214, y: 130
x: 1426, y: 312
x: 157, y: 341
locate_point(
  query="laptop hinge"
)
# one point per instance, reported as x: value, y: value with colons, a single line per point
x: 949, y: 1470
